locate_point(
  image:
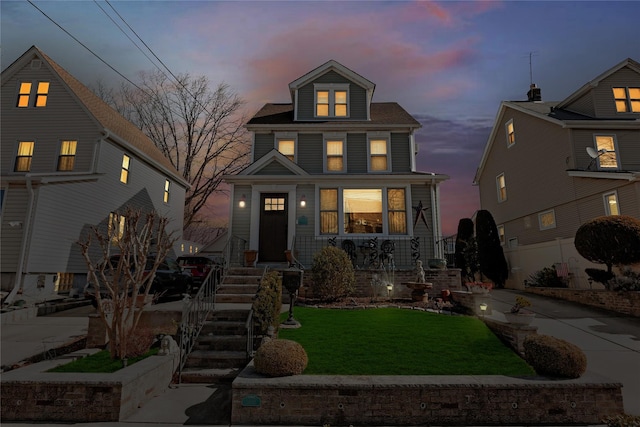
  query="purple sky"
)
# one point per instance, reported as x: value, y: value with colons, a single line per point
x: 448, y: 63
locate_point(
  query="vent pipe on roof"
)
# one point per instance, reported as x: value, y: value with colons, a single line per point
x: 534, y: 94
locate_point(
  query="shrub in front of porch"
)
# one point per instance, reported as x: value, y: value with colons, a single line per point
x: 332, y: 273
x: 268, y: 303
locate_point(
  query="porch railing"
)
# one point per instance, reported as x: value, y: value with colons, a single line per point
x: 234, y: 251
x: 195, y: 312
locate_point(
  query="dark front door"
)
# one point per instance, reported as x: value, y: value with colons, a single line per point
x: 273, y: 227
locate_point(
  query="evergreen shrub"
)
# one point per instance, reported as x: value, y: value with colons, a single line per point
x: 554, y: 357
x: 332, y: 273
x: 280, y: 358
x: 268, y: 303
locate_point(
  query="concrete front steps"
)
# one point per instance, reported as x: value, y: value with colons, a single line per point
x: 220, y: 352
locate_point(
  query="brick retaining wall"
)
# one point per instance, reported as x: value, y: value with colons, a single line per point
x: 32, y: 394
x: 625, y: 302
x: 420, y: 400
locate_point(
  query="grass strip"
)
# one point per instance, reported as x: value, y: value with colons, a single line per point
x: 393, y: 341
x: 100, y: 362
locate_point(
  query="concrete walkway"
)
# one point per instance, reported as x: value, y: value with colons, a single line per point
x: 611, y: 343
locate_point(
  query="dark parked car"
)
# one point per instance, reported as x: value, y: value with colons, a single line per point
x: 200, y: 266
x: 170, y: 280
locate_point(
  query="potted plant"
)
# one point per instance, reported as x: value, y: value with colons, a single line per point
x: 517, y: 315
x: 250, y: 256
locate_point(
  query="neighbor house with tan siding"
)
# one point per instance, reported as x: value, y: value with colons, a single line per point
x: 550, y: 166
x: 68, y: 162
x: 334, y: 168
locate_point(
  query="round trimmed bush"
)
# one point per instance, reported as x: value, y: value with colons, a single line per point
x: 554, y: 357
x: 333, y: 277
x: 280, y: 358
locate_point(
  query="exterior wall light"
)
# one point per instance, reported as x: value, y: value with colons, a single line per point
x: 303, y: 201
x: 243, y: 202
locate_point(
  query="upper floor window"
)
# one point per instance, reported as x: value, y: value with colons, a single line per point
x: 379, y: 154
x: 167, y: 187
x: 335, y: 156
x: 287, y: 147
x: 332, y: 100
x: 609, y: 158
x: 67, y: 156
x: 501, y: 185
x: 511, y: 133
x: 627, y: 99
x: 547, y: 219
x: 24, y: 156
x: 124, y: 173
x: 39, y: 98
x: 611, y: 203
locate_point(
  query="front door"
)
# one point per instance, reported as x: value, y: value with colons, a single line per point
x: 273, y: 227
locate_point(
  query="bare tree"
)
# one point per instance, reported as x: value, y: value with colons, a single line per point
x: 140, y: 240
x: 198, y: 129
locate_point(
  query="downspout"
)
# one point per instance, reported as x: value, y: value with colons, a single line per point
x: 25, y: 243
x: 437, y: 232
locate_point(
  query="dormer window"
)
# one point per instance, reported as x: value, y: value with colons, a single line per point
x: 627, y: 99
x: 40, y: 97
x: 332, y: 100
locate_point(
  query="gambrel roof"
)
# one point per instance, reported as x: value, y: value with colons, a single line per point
x: 112, y: 122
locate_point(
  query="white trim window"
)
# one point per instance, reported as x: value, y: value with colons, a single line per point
x: 287, y: 143
x: 167, y: 191
x: 627, y: 99
x: 611, y: 206
x: 501, y: 187
x: 334, y: 148
x: 606, y: 144
x: 379, y: 152
x: 511, y: 133
x: 366, y: 211
x: 124, y: 172
x: 547, y: 219
x: 331, y: 100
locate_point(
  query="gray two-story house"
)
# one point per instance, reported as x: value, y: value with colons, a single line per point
x: 334, y: 167
x: 550, y: 166
x: 68, y: 162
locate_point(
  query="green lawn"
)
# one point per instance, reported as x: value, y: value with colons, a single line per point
x: 99, y: 362
x: 393, y: 341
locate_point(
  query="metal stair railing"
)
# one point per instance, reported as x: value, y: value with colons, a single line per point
x: 195, y: 312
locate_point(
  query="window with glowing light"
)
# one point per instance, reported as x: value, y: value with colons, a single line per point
x: 627, y: 99
x: 167, y: 188
x: 40, y: 97
x: 116, y: 227
x: 124, y: 172
x: 67, y: 157
x: 547, y: 219
x: 287, y: 147
x: 611, y: 206
x: 609, y: 159
x: 24, y: 156
x: 334, y: 160
x: 332, y: 100
x: 378, y: 155
x: 501, y: 185
x: 511, y: 133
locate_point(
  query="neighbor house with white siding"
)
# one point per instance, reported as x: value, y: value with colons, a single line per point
x: 68, y: 162
x: 548, y: 167
x: 334, y: 168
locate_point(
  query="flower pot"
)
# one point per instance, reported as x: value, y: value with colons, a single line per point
x: 250, y: 257
x: 437, y: 263
x: 521, y: 318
